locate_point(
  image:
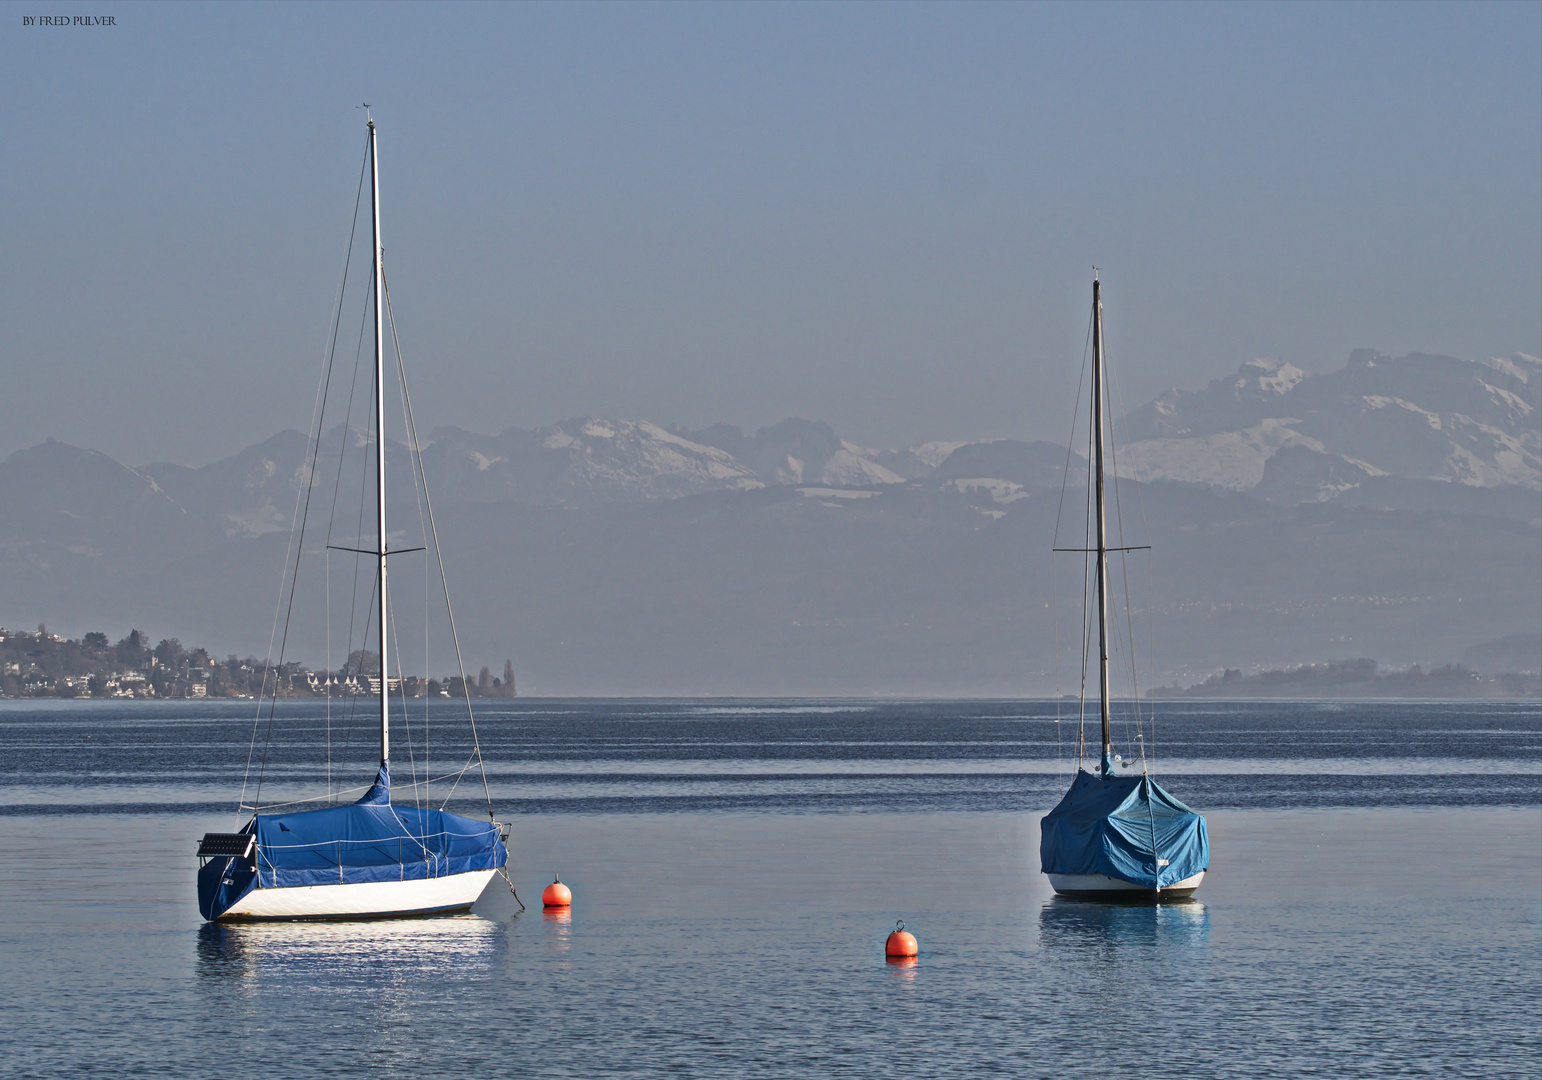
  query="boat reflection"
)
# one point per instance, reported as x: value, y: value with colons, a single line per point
x: 400, y: 946
x: 1092, y: 925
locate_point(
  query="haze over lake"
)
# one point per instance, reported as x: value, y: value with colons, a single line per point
x: 1388, y: 509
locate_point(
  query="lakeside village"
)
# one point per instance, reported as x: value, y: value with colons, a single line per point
x: 44, y: 665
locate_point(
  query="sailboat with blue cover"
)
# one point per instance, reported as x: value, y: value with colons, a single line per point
x: 1116, y: 837
x: 371, y: 858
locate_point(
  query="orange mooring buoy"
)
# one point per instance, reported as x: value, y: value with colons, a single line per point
x: 901, y: 945
x: 559, y: 895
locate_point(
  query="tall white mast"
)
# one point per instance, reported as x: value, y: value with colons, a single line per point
x: 380, y: 450
x: 1102, y: 553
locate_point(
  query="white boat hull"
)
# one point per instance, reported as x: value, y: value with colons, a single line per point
x: 363, y: 900
x: 1101, y: 887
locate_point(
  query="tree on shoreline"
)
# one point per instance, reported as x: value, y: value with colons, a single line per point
x: 46, y: 665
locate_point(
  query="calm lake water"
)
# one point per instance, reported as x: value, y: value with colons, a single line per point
x: 1374, y: 904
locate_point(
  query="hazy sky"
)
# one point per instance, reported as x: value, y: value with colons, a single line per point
x: 883, y: 216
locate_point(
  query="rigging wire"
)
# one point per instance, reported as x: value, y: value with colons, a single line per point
x: 1089, y: 568
x: 342, y: 443
x: 1116, y: 641
x: 349, y: 727
x: 326, y: 581
x: 401, y: 680
x: 1054, y: 609
x: 1120, y: 660
x: 419, y: 487
x: 1151, y: 654
x: 340, y: 792
x: 318, y: 414
x: 417, y: 448
x: 342, y: 452
x: 1086, y: 644
x: 352, y: 728
x: 1116, y: 405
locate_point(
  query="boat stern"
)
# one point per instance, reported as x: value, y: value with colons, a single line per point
x: 228, y: 871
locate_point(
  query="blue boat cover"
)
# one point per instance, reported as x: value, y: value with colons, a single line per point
x: 1125, y: 828
x: 370, y: 840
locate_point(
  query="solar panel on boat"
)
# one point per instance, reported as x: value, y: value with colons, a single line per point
x: 216, y: 845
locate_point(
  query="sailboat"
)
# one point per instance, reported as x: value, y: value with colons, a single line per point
x: 1117, y: 837
x: 371, y: 858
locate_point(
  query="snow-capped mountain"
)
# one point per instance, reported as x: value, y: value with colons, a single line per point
x: 806, y: 452
x: 802, y: 563
x: 594, y: 459
x: 578, y: 462
x: 252, y: 492
x: 1271, y: 430
x: 1419, y: 417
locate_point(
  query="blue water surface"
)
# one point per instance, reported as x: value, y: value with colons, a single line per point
x: 1374, y: 906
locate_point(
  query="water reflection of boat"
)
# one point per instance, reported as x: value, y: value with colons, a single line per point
x: 248, y: 949
x: 1115, y: 837
x: 1078, y: 924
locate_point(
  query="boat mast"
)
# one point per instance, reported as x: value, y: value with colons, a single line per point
x: 380, y: 454
x: 1102, y: 551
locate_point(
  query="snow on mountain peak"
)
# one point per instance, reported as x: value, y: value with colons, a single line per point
x: 1379, y: 401
x: 847, y: 466
x: 1517, y: 366
x: 933, y: 454
x: 1378, y: 420
x: 1269, y: 376
x: 1419, y: 416
x: 1228, y: 459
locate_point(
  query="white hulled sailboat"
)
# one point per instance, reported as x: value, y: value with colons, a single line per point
x: 368, y: 859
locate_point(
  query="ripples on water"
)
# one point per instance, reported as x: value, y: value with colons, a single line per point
x: 610, y: 756
x: 1374, y: 906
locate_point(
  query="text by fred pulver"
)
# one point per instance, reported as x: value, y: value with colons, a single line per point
x: 69, y: 20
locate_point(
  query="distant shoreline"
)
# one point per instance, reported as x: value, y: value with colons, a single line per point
x: 41, y: 666
x: 1359, y: 680
x: 874, y: 700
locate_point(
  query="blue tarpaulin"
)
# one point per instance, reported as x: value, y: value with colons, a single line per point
x: 370, y: 840
x: 1126, y: 828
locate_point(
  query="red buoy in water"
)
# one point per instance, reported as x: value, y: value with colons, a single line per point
x: 556, y: 894
x: 900, y: 945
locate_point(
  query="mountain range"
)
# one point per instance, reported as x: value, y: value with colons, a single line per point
x: 1392, y: 508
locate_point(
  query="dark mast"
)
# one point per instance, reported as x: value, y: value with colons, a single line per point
x: 1102, y: 549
